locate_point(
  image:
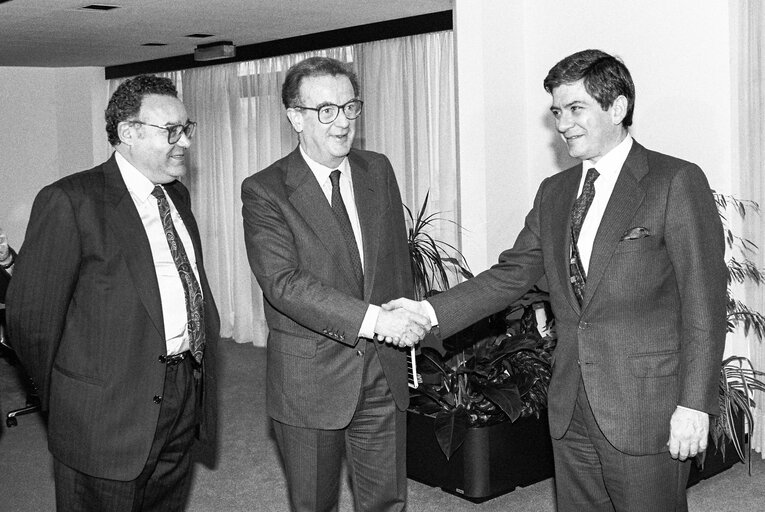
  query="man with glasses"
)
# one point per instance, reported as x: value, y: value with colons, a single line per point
x: 326, y: 239
x: 111, y: 314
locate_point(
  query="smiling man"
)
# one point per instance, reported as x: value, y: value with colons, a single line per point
x: 632, y: 248
x: 110, y: 312
x: 325, y: 235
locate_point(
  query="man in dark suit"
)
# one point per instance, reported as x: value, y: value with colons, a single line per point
x: 111, y: 314
x: 326, y: 239
x: 634, y: 256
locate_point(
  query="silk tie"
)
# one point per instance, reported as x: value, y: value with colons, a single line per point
x: 578, y: 213
x: 191, y: 290
x: 341, y: 214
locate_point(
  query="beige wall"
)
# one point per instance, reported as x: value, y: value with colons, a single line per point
x: 679, y: 56
x: 52, y: 125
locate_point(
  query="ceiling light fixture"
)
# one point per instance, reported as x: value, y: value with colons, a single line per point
x: 99, y: 7
x: 214, y: 51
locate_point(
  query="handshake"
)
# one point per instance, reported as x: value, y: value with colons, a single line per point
x: 403, y: 322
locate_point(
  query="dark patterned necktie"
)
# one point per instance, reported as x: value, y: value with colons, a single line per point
x: 193, y: 293
x: 338, y: 206
x: 578, y: 213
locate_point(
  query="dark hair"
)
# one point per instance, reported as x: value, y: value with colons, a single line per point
x: 605, y: 78
x: 126, y: 101
x: 314, y: 66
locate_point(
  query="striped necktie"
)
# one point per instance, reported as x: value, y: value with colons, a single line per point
x: 191, y: 289
x: 578, y: 214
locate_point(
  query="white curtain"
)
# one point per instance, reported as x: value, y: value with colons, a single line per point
x: 407, y: 86
x: 749, y: 47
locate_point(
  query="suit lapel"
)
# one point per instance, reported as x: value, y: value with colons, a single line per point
x: 127, y: 226
x: 561, y: 227
x: 364, y: 183
x: 625, y: 199
x: 308, y: 198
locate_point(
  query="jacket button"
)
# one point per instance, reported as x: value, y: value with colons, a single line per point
x: 157, y: 399
x: 162, y: 359
x: 359, y: 353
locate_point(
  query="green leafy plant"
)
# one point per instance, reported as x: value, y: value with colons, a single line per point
x: 738, y: 379
x: 496, y: 370
x: 740, y: 267
x: 737, y: 382
x: 431, y: 259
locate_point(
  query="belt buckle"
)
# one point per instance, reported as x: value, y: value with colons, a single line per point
x: 175, y: 359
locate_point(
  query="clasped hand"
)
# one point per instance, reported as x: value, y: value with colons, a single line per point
x: 402, y: 326
x: 5, y: 251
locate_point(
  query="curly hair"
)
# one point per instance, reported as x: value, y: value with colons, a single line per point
x: 126, y: 101
x: 314, y: 66
x: 605, y: 78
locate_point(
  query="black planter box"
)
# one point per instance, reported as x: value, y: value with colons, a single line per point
x: 492, y: 461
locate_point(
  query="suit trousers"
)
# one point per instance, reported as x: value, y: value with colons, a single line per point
x: 163, y: 485
x: 592, y: 475
x: 374, y: 444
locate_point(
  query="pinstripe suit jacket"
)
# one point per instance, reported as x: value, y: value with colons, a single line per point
x: 299, y: 257
x: 5, y: 278
x: 85, y: 317
x: 651, y: 329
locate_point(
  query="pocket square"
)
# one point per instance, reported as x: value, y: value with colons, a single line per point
x: 635, y: 233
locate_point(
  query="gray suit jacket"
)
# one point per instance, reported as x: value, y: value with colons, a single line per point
x: 85, y: 318
x: 651, y: 330
x: 299, y: 257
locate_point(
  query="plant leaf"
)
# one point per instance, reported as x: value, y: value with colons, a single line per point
x: 451, y: 429
x: 505, y: 396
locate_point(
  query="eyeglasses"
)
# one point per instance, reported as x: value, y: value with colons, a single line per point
x: 329, y: 111
x: 174, y: 131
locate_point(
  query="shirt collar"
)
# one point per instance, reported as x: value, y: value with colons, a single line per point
x: 322, y: 171
x: 613, y: 161
x: 137, y: 184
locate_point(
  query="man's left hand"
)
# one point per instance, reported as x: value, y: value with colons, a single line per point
x: 688, y: 431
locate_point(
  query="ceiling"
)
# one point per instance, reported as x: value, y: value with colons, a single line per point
x: 61, y: 33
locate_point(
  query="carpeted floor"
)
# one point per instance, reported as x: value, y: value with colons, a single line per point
x: 249, y: 477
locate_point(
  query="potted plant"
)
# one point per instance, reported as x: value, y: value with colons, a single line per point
x: 480, y: 428
x: 738, y: 379
x: 431, y: 259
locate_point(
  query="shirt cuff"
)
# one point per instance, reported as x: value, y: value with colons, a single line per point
x: 431, y: 313
x: 689, y: 409
x: 370, y: 321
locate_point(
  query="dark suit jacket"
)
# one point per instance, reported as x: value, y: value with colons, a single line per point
x: 299, y: 257
x: 5, y: 278
x: 85, y: 318
x: 651, y: 330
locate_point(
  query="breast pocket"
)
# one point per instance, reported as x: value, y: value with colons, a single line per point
x: 645, y: 244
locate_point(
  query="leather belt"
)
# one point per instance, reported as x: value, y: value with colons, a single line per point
x: 175, y: 358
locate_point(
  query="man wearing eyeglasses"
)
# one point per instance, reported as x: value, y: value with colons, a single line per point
x: 111, y: 314
x: 326, y: 239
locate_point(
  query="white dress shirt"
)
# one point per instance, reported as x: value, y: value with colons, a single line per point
x: 170, y: 286
x: 322, y: 172
x: 608, y: 168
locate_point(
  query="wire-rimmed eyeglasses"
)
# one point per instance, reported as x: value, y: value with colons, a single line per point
x: 174, y: 131
x: 328, y: 112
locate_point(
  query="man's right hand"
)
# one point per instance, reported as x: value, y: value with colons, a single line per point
x: 401, y: 327
x: 408, y: 304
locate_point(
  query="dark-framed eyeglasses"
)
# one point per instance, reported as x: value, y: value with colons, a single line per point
x: 174, y: 131
x: 328, y: 112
